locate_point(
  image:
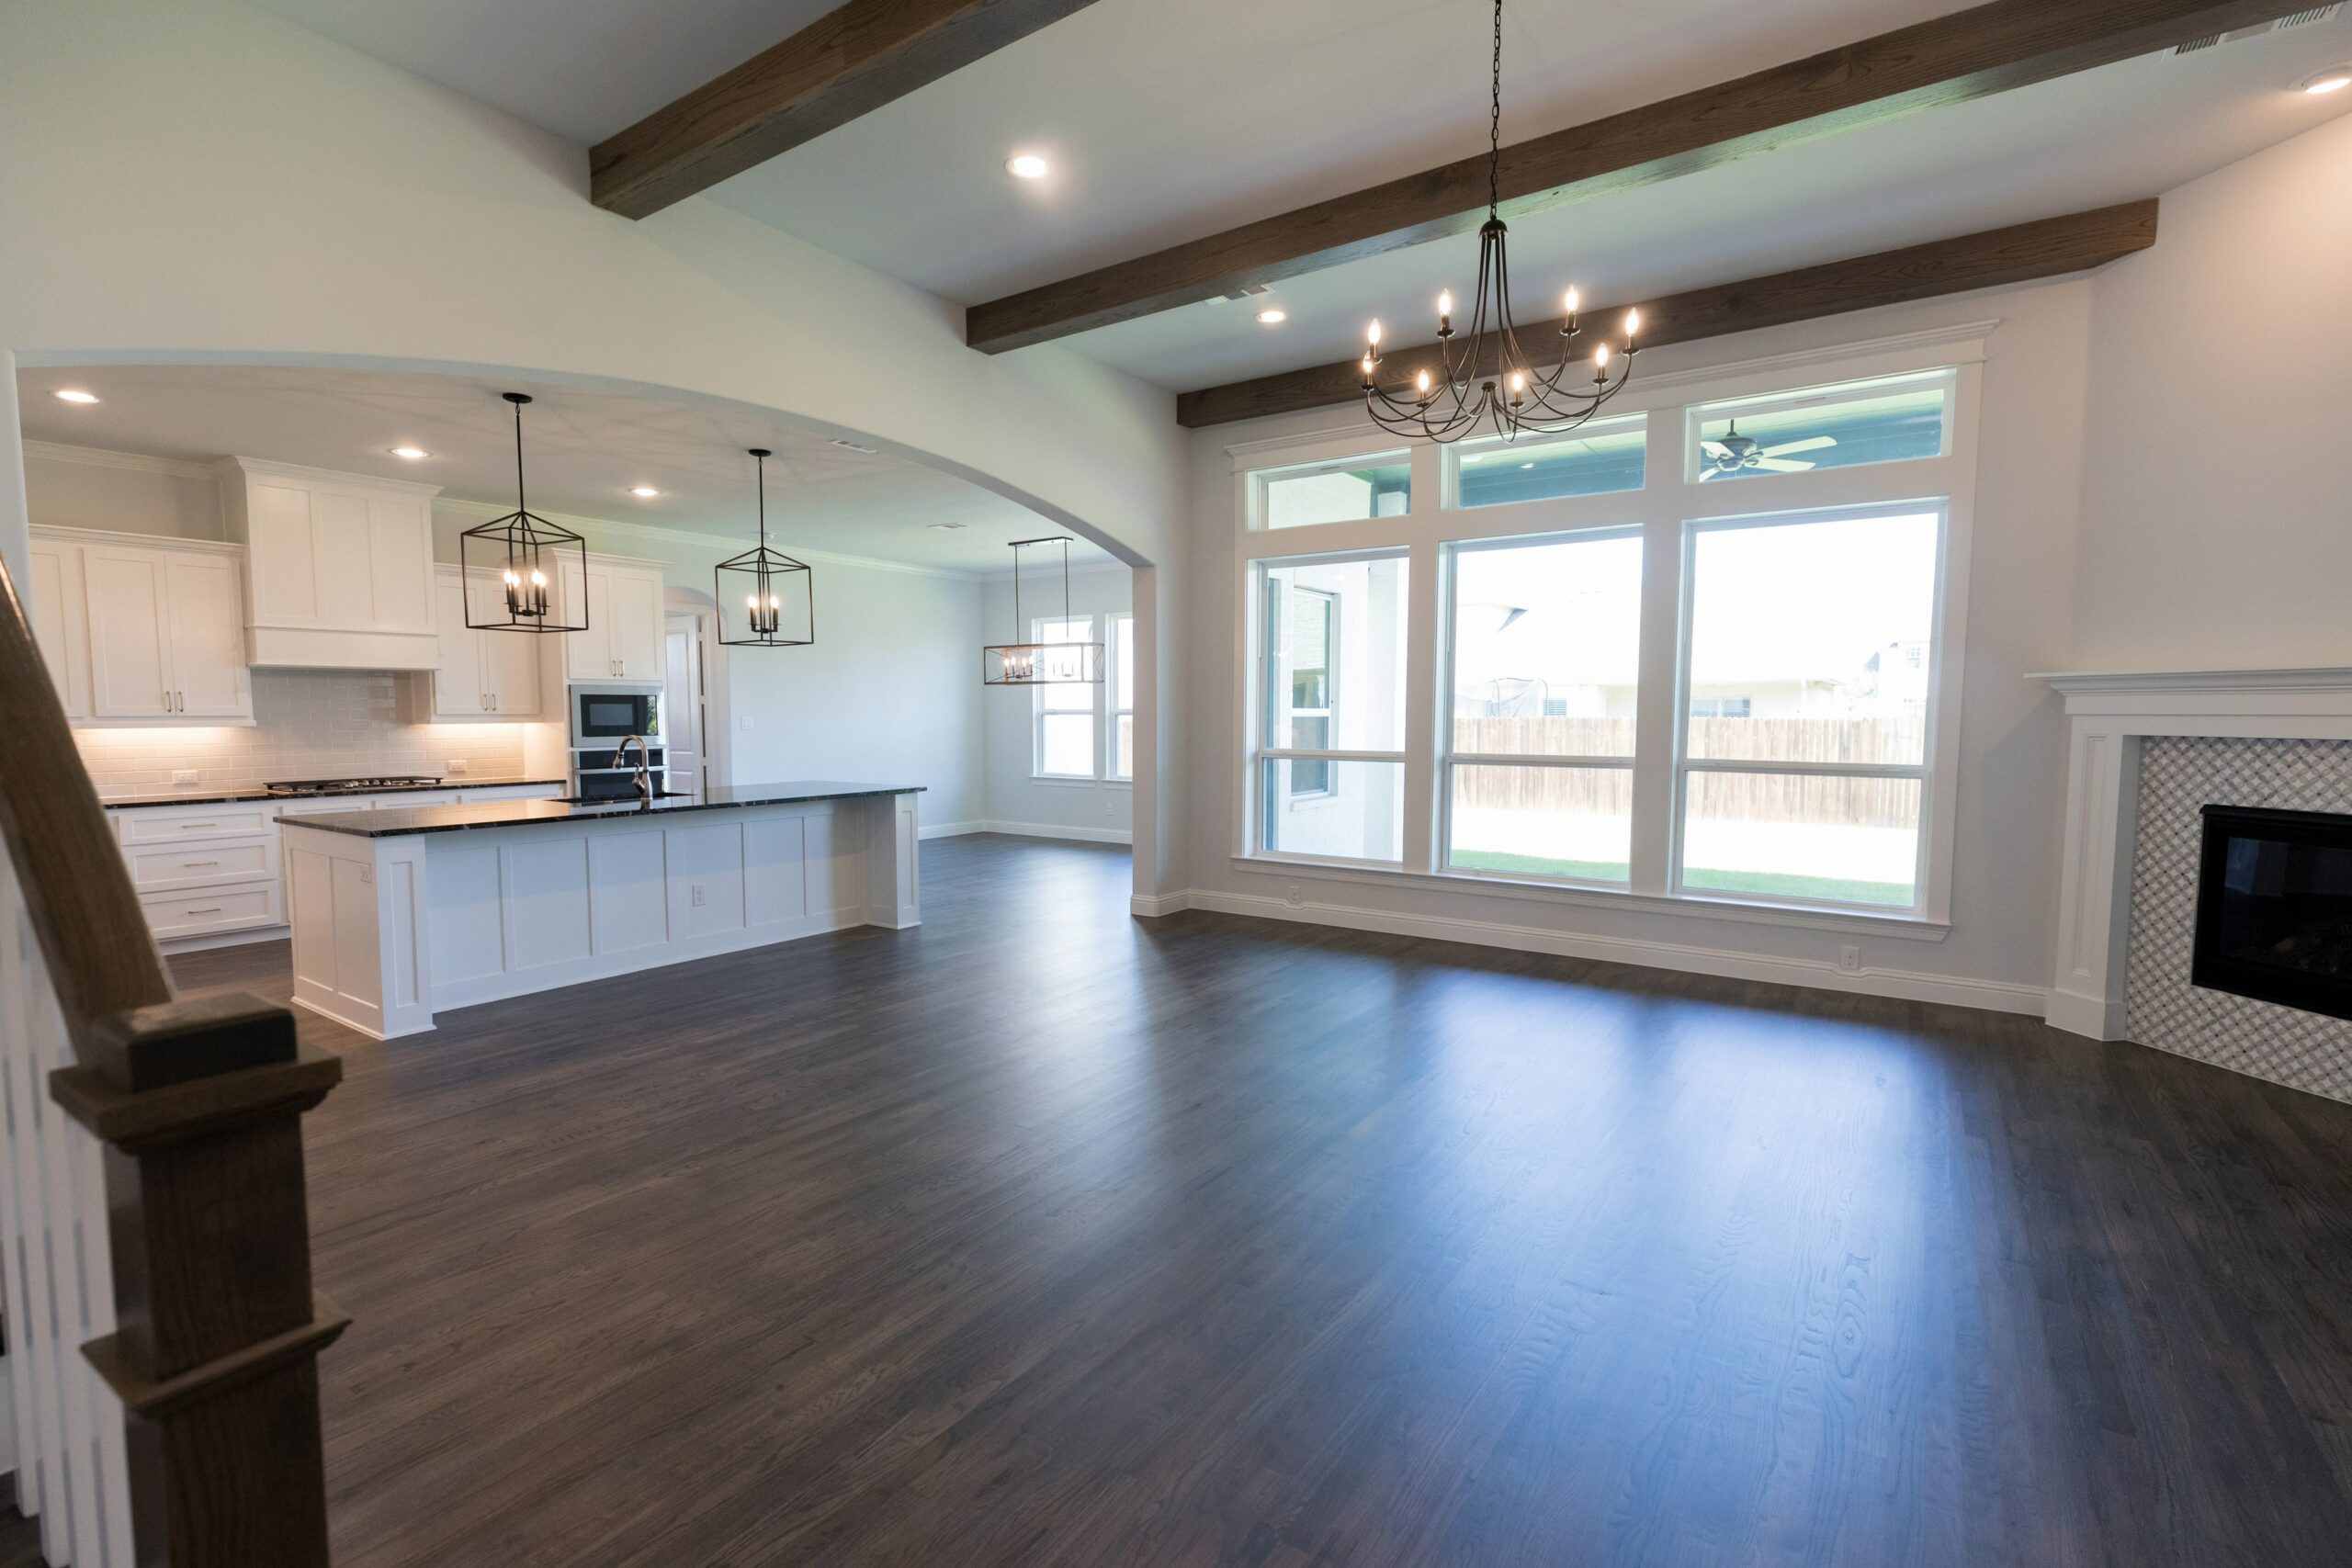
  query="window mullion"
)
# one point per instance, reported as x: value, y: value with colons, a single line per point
x: 1421, y: 697
x: 1659, y: 699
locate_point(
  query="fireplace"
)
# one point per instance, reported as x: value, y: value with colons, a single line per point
x: 2274, y: 908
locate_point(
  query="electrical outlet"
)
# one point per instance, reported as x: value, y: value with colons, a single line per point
x: 183, y: 775
x: 455, y: 767
x: 1294, y: 895
x: 698, y: 894
x: 744, y: 722
x: 1110, y: 806
x: 1849, y: 960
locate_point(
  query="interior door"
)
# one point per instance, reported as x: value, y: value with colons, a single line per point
x: 681, y: 704
x: 636, y: 603
x: 206, y: 633
x: 458, y: 684
x: 130, y: 674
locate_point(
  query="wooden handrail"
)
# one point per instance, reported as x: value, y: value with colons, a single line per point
x: 198, y: 1104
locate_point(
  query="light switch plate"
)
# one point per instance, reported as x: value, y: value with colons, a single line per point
x: 745, y: 721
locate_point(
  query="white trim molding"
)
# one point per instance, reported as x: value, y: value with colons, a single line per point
x: 136, y: 462
x: 1684, y: 958
x: 2111, y: 714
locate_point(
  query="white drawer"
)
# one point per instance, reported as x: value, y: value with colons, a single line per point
x: 293, y: 809
x: 186, y: 824
x: 167, y: 866
x: 212, y: 909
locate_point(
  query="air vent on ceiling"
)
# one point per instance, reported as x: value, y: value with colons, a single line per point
x: 2261, y: 30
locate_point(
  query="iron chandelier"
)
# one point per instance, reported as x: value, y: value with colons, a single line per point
x: 1490, y: 378
x: 522, y: 552
x: 1041, y: 663
x: 761, y: 577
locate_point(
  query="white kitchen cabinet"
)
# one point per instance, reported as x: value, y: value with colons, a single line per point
x: 62, y: 621
x: 622, y: 602
x: 165, y: 636
x: 481, y: 674
x: 338, y: 567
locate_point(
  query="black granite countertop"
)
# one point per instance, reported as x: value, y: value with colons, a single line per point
x: 399, y: 821
x: 227, y: 797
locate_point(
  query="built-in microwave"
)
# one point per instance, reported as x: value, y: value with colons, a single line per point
x: 610, y: 714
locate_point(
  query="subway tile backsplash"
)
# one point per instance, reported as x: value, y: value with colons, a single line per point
x: 309, y: 724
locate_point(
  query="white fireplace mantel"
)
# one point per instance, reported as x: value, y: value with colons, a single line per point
x: 2111, y: 714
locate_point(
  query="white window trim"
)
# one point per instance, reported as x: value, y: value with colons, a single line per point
x: 1667, y: 500
x: 1037, y: 712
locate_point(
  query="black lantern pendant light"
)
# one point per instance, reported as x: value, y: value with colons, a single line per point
x: 1041, y: 663
x: 526, y: 555
x: 762, y: 579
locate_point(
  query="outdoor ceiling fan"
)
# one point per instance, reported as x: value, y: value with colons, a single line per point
x: 1738, y: 453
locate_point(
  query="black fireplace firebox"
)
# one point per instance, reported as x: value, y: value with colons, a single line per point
x: 2274, y: 908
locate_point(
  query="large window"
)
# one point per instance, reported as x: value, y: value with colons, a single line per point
x: 1122, y: 697
x: 1545, y: 651
x: 1809, y: 665
x: 1065, y: 710
x: 1330, y: 762
x: 1702, y: 652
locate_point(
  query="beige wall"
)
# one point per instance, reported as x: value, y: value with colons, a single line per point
x: 2217, y: 522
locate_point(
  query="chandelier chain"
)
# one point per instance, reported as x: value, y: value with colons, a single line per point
x: 1495, y: 126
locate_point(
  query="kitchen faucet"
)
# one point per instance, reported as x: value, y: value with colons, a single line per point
x: 644, y: 779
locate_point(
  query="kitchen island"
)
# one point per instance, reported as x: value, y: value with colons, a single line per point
x: 400, y: 912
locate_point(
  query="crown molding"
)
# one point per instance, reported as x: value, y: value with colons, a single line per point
x: 2158, y: 694
x: 237, y: 469
x: 136, y: 462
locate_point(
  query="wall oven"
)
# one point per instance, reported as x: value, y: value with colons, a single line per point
x: 599, y: 773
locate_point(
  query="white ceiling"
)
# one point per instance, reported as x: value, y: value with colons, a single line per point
x: 584, y: 449
x: 1167, y: 121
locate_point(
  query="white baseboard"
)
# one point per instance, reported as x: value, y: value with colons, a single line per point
x: 171, y: 946
x: 1053, y: 830
x: 1816, y: 973
x: 1152, y: 906
x: 2093, y: 1017
x: 950, y: 829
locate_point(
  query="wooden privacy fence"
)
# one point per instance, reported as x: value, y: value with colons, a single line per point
x: 1761, y: 797
x: 158, y: 1249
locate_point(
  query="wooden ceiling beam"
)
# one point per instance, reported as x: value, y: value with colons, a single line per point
x: 1968, y: 54
x: 1997, y: 258
x: 848, y: 63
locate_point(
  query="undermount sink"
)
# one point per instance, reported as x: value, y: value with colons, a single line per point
x: 618, y: 799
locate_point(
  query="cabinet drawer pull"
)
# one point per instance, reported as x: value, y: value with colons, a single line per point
x: 190, y: 826
x: 208, y: 910
x: 197, y: 864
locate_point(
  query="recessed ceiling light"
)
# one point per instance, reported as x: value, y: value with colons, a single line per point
x: 1274, y: 315
x: 2334, y: 79
x: 72, y: 395
x: 643, y: 492
x: 411, y: 454
x: 848, y: 446
x: 947, y: 528
x: 1028, y: 166
x: 1527, y: 465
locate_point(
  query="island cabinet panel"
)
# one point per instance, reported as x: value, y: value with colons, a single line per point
x: 776, y: 871
x: 546, y: 892
x: 629, y: 903
x: 706, y: 879
x: 469, y: 938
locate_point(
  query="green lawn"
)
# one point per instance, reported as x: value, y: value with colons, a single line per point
x: 1766, y: 884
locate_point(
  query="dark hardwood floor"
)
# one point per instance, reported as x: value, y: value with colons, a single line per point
x: 1043, y: 1236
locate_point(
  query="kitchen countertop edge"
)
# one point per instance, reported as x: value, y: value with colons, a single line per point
x: 396, y: 821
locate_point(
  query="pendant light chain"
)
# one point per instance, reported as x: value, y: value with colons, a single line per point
x: 1489, y: 380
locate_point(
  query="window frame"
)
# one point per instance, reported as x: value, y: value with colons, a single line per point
x: 1115, y: 667
x: 1697, y: 414
x: 1448, y: 758
x: 1038, y: 711
x: 1255, y: 662
x: 1923, y: 771
x: 1670, y: 498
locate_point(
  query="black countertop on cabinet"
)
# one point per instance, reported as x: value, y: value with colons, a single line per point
x: 227, y: 797
x: 397, y: 821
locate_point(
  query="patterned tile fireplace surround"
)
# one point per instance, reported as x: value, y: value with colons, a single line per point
x: 2148, y: 751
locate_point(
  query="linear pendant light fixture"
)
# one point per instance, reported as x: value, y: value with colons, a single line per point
x: 761, y: 578
x: 1491, y: 379
x: 530, y: 558
x: 1041, y: 663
